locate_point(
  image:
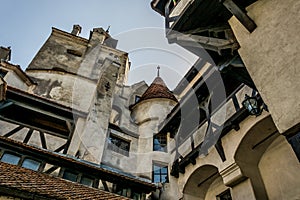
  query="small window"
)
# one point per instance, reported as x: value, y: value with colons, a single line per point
x: 160, y: 173
x: 160, y: 142
x: 74, y: 52
x: 137, y: 98
x: 87, y: 181
x: 2, y: 73
x: 118, y: 145
x: 10, y: 158
x: 224, y: 195
x: 70, y: 176
x: 295, y: 143
x: 31, y: 164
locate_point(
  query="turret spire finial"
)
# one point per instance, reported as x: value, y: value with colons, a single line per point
x: 158, y: 68
x: 107, y: 30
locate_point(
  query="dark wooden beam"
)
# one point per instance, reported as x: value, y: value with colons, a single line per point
x: 43, y: 140
x: 240, y: 15
x: 167, y: 12
x: 60, y: 148
x: 71, y: 132
x: 28, y: 136
x: 10, y: 133
x: 105, y: 185
x: 51, y: 169
x: 13, y: 121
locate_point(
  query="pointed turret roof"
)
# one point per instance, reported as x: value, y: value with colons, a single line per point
x: 158, y: 89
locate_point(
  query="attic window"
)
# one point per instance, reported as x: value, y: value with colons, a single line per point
x: 2, y: 73
x: 70, y: 176
x: 87, y: 181
x: 31, y: 164
x: 74, y: 52
x: 10, y: 158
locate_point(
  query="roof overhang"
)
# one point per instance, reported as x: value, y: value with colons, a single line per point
x: 17, y: 70
x: 38, y: 113
x: 73, y: 163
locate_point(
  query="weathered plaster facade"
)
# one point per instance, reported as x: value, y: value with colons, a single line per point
x: 89, y: 76
x: 272, y: 51
x: 227, y: 152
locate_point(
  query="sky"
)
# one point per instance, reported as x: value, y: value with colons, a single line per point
x: 26, y: 25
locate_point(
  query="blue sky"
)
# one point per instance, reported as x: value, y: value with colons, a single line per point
x: 26, y: 24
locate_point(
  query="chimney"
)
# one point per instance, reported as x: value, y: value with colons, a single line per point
x: 97, y: 36
x: 5, y: 53
x: 76, y: 30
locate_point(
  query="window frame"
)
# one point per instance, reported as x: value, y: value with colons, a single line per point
x: 116, y: 148
x: 137, y: 98
x: 226, y: 192
x: 161, y: 174
x: 13, y: 154
x: 33, y: 159
x: 22, y: 159
x: 162, y: 140
x: 79, y: 177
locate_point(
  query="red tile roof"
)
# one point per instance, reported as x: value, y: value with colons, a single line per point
x: 78, y: 164
x: 158, y: 89
x: 26, y: 183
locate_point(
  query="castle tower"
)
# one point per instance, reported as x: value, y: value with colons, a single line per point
x: 81, y: 74
x: 148, y: 113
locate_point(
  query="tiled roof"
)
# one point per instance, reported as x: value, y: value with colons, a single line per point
x: 66, y: 160
x: 158, y: 89
x: 24, y: 183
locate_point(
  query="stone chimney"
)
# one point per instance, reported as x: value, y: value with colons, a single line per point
x: 76, y: 30
x: 5, y: 53
x: 97, y: 36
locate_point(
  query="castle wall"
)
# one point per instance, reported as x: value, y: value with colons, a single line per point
x: 276, y: 167
x: 271, y: 56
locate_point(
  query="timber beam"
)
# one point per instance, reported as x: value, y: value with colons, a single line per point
x: 247, y: 22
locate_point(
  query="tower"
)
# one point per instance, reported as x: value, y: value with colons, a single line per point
x: 152, y: 108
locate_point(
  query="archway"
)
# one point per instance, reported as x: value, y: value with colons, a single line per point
x: 279, y: 168
x: 204, y: 183
x: 250, y: 150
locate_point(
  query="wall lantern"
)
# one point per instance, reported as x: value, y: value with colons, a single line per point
x: 252, y: 105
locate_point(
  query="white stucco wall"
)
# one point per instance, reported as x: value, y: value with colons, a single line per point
x: 279, y: 168
x: 271, y: 55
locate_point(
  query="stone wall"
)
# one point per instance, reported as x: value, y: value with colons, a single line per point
x: 271, y: 55
x: 279, y: 169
